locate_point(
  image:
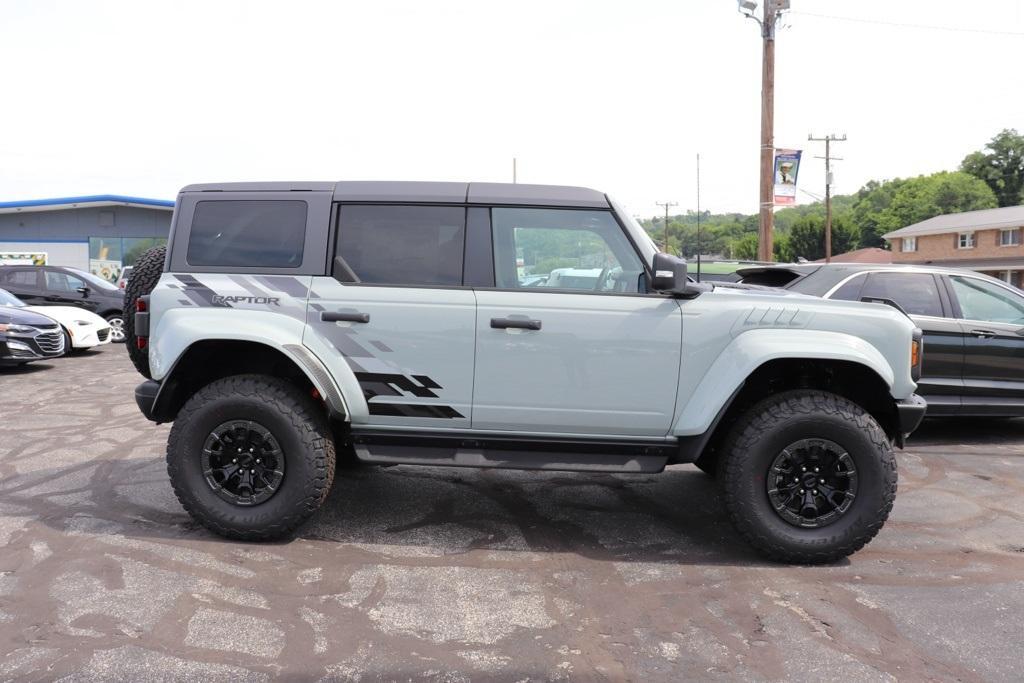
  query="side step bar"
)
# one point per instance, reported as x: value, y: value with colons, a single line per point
x: 457, y: 450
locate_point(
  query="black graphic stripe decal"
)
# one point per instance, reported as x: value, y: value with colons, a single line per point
x: 284, y: 283
x: 199, y: 293
x: 409, y: 410
x: 402, y: 382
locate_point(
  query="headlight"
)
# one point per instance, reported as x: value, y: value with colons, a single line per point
x: 7, y: 327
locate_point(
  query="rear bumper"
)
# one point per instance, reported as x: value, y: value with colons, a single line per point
x: 910, y: 411
x: 145, y: 398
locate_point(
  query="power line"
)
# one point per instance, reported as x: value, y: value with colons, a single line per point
x: 927, y: 27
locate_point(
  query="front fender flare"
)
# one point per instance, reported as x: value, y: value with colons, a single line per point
x: 750, y: 350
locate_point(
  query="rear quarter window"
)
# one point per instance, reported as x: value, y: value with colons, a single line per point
x: 248, y: 234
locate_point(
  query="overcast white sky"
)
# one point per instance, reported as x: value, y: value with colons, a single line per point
x: 141, y: 98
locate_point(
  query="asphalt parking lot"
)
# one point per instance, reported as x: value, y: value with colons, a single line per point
x: 457, y: 575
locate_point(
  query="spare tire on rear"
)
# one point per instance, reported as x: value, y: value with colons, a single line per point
x: 141, y: 282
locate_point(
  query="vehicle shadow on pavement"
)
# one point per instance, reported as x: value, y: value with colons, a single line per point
x: 26, y: 369
x: 403, y: 512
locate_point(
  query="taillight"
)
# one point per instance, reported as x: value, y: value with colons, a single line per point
x: 140, y: 305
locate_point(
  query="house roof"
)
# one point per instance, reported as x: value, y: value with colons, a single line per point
x: 93, y: 200
x: 986, y: 219
x: 867, y: 255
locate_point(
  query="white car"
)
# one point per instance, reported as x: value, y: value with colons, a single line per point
x: 82, y: 329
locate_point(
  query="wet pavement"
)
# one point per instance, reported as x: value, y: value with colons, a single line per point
x: 459, y: 575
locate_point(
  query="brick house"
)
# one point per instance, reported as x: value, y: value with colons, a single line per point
x: 989, y: 241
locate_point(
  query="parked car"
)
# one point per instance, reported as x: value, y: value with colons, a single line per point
x: 82, y: 329
x: 973, y: 326
x: 122, y: 279
x: 399, y: 331
x: 718, y: 271
x: 64, y: 286
x: 26, y: 336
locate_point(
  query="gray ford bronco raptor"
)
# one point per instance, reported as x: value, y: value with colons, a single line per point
x: 494, y: 325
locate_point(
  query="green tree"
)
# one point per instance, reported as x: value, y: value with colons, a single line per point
x: 744, y: 248
x: 1001, y: 166
x: 921, y: 198
x: 806, y: 239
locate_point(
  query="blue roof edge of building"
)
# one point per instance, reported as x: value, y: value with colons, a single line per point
x: 88, y: 199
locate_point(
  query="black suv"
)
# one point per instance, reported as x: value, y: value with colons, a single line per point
x: 26, y: 336
x: 973, y: 326
x: 64, y: 286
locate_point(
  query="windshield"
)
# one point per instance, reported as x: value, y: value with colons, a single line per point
x: 8, y: 299
x: 95, y: 281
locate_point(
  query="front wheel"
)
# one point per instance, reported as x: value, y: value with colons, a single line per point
x: 250, y: 457
x: 808, y: 476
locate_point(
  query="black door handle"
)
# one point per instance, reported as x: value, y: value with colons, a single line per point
x: 984, y: 334
x: 519, y: 323
x: 336, y: 317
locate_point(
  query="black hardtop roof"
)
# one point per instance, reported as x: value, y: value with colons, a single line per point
x: 427, y: 192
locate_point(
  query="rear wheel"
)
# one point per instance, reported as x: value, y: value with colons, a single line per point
x: 144, y: 277
x: 808, y: 477
x: 250, y: 457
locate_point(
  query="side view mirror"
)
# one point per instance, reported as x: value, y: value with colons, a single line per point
x: 670, y: 276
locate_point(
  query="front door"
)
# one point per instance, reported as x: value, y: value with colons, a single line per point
x: 65, y: 289
x: 396, y: 312
x: 992, y: 322
x: 567, y: 343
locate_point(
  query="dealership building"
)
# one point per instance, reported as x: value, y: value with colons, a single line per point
x: 97, y: 233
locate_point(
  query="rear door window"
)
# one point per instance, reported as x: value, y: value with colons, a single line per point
x: 22, y: 279
x: 916, y: 293
x: 248, y: 234
x: 402, y: 245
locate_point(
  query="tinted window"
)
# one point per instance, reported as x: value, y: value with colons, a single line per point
x: 24, y: 278
x: 563, y: 249
x: 403, y: 245
x: 980, y: 300
x: 57, y: 281
x: 916, y: 293
x: 248, y: 234
x: 850, y: 290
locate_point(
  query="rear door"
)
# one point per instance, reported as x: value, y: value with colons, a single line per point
x: 922, y: 296
x: 396, y: 312
x: 594, y: 356
x: 24, y: 284
x: 992, y: 324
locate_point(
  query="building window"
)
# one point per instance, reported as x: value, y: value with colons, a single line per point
x: 909, y: 244
x: 965, y: 240
x: 1009, y: 238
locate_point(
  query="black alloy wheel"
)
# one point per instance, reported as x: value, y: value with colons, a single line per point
x: 243, y: 462
x: 812, y: 483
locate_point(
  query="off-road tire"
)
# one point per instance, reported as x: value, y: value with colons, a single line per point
x: 768, y: 428
x: 297, y: 424
x: 144, y: 277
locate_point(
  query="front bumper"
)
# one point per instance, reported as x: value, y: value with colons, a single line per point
x: 909, y: 412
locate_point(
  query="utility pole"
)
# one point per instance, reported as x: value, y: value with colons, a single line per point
x: 666, y: 205
x: 771, y: 11
x: 828, y: 140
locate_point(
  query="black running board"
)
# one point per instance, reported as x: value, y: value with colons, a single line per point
x: 460, y: 450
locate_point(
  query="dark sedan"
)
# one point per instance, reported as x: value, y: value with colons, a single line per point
x: 26, y: 336
x: 973, y: 326
x: 64, y: 286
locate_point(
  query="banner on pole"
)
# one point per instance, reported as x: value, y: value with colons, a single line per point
x: 787, y: 165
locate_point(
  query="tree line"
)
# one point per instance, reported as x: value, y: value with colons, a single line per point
x: 989, y: 178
